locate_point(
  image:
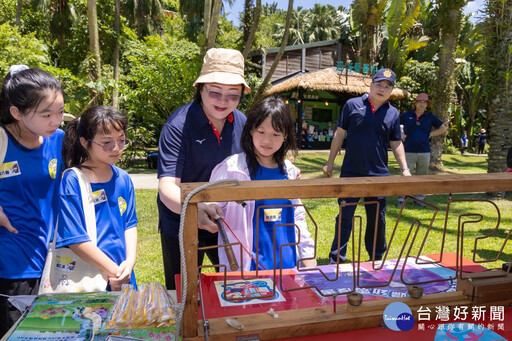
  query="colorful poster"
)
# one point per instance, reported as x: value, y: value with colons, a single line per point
x: 241, y: 291
x: 379, y: 280
x: 77, y: 317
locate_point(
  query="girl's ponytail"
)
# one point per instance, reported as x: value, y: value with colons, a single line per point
x: 73, y: 153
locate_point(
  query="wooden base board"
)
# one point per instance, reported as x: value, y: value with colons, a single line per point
x: 482, y: 289
x: 311, y: 321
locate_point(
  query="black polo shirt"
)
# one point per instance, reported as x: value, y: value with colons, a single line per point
x: 189, y: 150
x: 368, y: 135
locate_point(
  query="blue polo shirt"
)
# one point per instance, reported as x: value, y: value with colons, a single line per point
x: 189, y: 150
x: 114, y: 205
x: 368, y: 136
x: 418, y: 139
x: 29, y: 182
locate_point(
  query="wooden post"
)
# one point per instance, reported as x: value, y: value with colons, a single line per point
x: 190, y: 247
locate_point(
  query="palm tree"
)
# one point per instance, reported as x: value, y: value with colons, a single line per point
x: 343, y: 22
x: 468, y: 78
x: 297, y: 32
x: 449, y: 16
x: 322, y: 23
x: 62, y: 17
x: 497, y: 80
x: 202, y: 16
x: 144, y: 15
x: 472, y: 93
x: 366, y: 18
x: 213, y: 23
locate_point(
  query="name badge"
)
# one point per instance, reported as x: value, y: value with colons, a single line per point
x: 9, y: 169
x: 99, y: 196
x: 272, y: 214
x: 65, y: 263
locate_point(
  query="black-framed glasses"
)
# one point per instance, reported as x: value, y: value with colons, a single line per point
x: 111, y: 145
x: 218, y: 96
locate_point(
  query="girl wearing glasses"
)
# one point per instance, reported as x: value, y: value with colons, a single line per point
x: 94, y: 142
x: 194, y: 139
x: 32, y: 108
x: 266, y: 139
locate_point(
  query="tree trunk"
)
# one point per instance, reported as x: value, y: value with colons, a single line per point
x: 266, y: 81
x: 252, y: 33
x: 498, y: 57
x: 214, y: 23
x: 18, y: 14
x: 117, y: 29
x: 445, y: 84
x: 247, y: 19
x: 207, y: 17
x: 140, y: 19
x: 94, y: 44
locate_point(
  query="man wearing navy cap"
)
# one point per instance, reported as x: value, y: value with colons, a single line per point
x: 370, y: 123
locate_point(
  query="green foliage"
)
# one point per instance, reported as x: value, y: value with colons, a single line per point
x: 366, y: 19
x: 146, y: 19
x: 416, y: 77
x: 171, y: 5
x: 75, y: 89
x: 142, y: 139
x: 228, y: 36
x: 16, y: 48
x: 8, y: 12
x: 173, y: 26
x: 402, y: 33
x: 159, y: 73
x: 267, y: 27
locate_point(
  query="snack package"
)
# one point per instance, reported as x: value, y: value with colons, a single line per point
x: 149, y: 307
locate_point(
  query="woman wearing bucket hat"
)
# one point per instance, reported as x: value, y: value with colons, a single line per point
x: 194, y: 139
x: 419, y: 126
x: 481, y: 138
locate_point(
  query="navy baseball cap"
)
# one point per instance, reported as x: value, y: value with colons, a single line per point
x: 384, y: 75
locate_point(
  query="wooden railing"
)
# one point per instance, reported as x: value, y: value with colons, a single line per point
x: 316, y: 188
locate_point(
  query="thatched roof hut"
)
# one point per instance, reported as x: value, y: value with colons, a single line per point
x: 352, y: 84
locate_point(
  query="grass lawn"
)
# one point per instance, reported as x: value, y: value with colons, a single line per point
x: 149, y: 259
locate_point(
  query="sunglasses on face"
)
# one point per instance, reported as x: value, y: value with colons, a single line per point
x: 218, y: 96
x: 111, y: 145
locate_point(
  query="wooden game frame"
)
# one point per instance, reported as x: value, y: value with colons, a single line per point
x: 322, y: 319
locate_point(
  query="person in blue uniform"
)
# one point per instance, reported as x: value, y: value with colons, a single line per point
x: 463, y: 142
x: 419, y: 126
x: 267, y: 137
x: 193, y: 140
x: 32, y: 109
x: 370, y: 123
x: 94, y: 142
